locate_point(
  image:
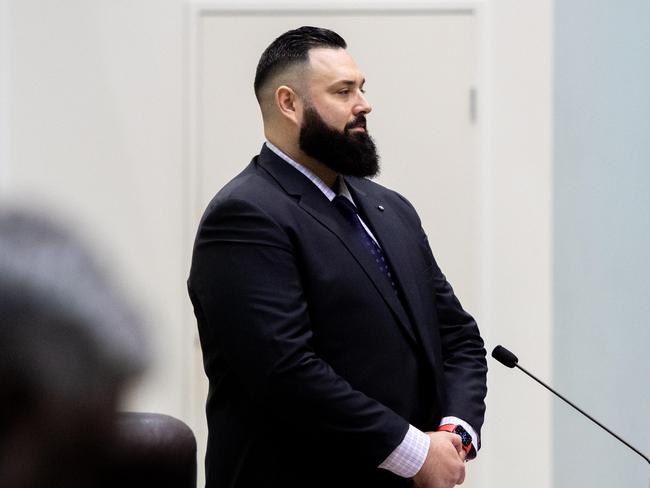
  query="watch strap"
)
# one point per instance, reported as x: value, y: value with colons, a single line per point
x: 466, y: 438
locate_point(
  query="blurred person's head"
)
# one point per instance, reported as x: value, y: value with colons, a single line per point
x: 68, y: 344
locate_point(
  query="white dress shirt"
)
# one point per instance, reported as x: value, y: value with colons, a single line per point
x: 409, y: 456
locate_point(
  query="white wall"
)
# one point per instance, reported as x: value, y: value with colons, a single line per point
x: 5, y: 63
x: 96, y: 124
x: 602, y: 239
x: 95, y: 129
x: 518, y: 287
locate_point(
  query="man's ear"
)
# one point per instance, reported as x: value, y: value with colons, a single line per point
x: 289, y: 104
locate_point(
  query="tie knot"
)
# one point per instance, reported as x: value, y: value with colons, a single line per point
x: 345, y: 206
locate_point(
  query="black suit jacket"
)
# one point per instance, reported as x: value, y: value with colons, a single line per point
x: 316, y: 367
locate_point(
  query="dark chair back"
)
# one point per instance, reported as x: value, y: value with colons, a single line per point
x: 152, y: 450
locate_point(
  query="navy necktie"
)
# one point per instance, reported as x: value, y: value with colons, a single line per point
x: 350, y: 212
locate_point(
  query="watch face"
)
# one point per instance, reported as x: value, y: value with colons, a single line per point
x: 465, y: 438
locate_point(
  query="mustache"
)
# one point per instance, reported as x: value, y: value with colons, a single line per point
x: 359, y: 121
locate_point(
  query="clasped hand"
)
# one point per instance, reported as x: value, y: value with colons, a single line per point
x: 444, y: 466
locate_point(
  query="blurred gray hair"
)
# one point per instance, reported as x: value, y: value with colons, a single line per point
x: 64, y: 331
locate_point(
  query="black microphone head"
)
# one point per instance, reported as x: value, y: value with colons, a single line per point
x: 504, y: 356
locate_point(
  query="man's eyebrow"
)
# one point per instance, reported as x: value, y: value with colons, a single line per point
x: 348, y: 82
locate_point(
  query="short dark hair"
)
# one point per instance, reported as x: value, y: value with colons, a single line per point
x: 291, y: 48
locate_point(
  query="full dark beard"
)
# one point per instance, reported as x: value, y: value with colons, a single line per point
x: 347, y: 153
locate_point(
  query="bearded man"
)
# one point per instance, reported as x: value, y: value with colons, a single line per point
x: 337, y: 352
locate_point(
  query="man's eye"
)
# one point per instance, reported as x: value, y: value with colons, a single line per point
x: 344, y: 92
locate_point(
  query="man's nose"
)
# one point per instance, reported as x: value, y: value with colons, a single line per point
x: 362, y: 106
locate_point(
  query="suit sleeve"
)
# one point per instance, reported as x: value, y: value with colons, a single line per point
x: 463, y: 353
x: 247, y: 286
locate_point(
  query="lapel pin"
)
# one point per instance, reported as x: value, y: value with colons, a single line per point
x: 381, y: 208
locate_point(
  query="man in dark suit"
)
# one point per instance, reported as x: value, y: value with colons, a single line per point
x: 336, y: 350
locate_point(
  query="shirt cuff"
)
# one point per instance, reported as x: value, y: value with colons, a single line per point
x: 466, y: 426
x: 409, y: 456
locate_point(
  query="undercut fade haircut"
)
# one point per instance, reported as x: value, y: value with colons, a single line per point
x: 292, y: 48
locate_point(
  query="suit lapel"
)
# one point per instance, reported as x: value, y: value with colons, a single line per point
x: 315, y: 203
x: 383, y: 221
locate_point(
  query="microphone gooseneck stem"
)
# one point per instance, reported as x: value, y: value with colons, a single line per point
x: 584, y: 413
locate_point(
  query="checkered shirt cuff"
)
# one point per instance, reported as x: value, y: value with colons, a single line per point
x: 407, y: 458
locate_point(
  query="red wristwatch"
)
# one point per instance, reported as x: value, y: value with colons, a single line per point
x: 465, y: 438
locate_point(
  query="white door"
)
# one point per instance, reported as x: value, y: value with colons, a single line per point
x: 421, y: 77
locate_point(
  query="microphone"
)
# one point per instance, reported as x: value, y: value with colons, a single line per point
x: 504, y: 356
x: 508, y: 359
